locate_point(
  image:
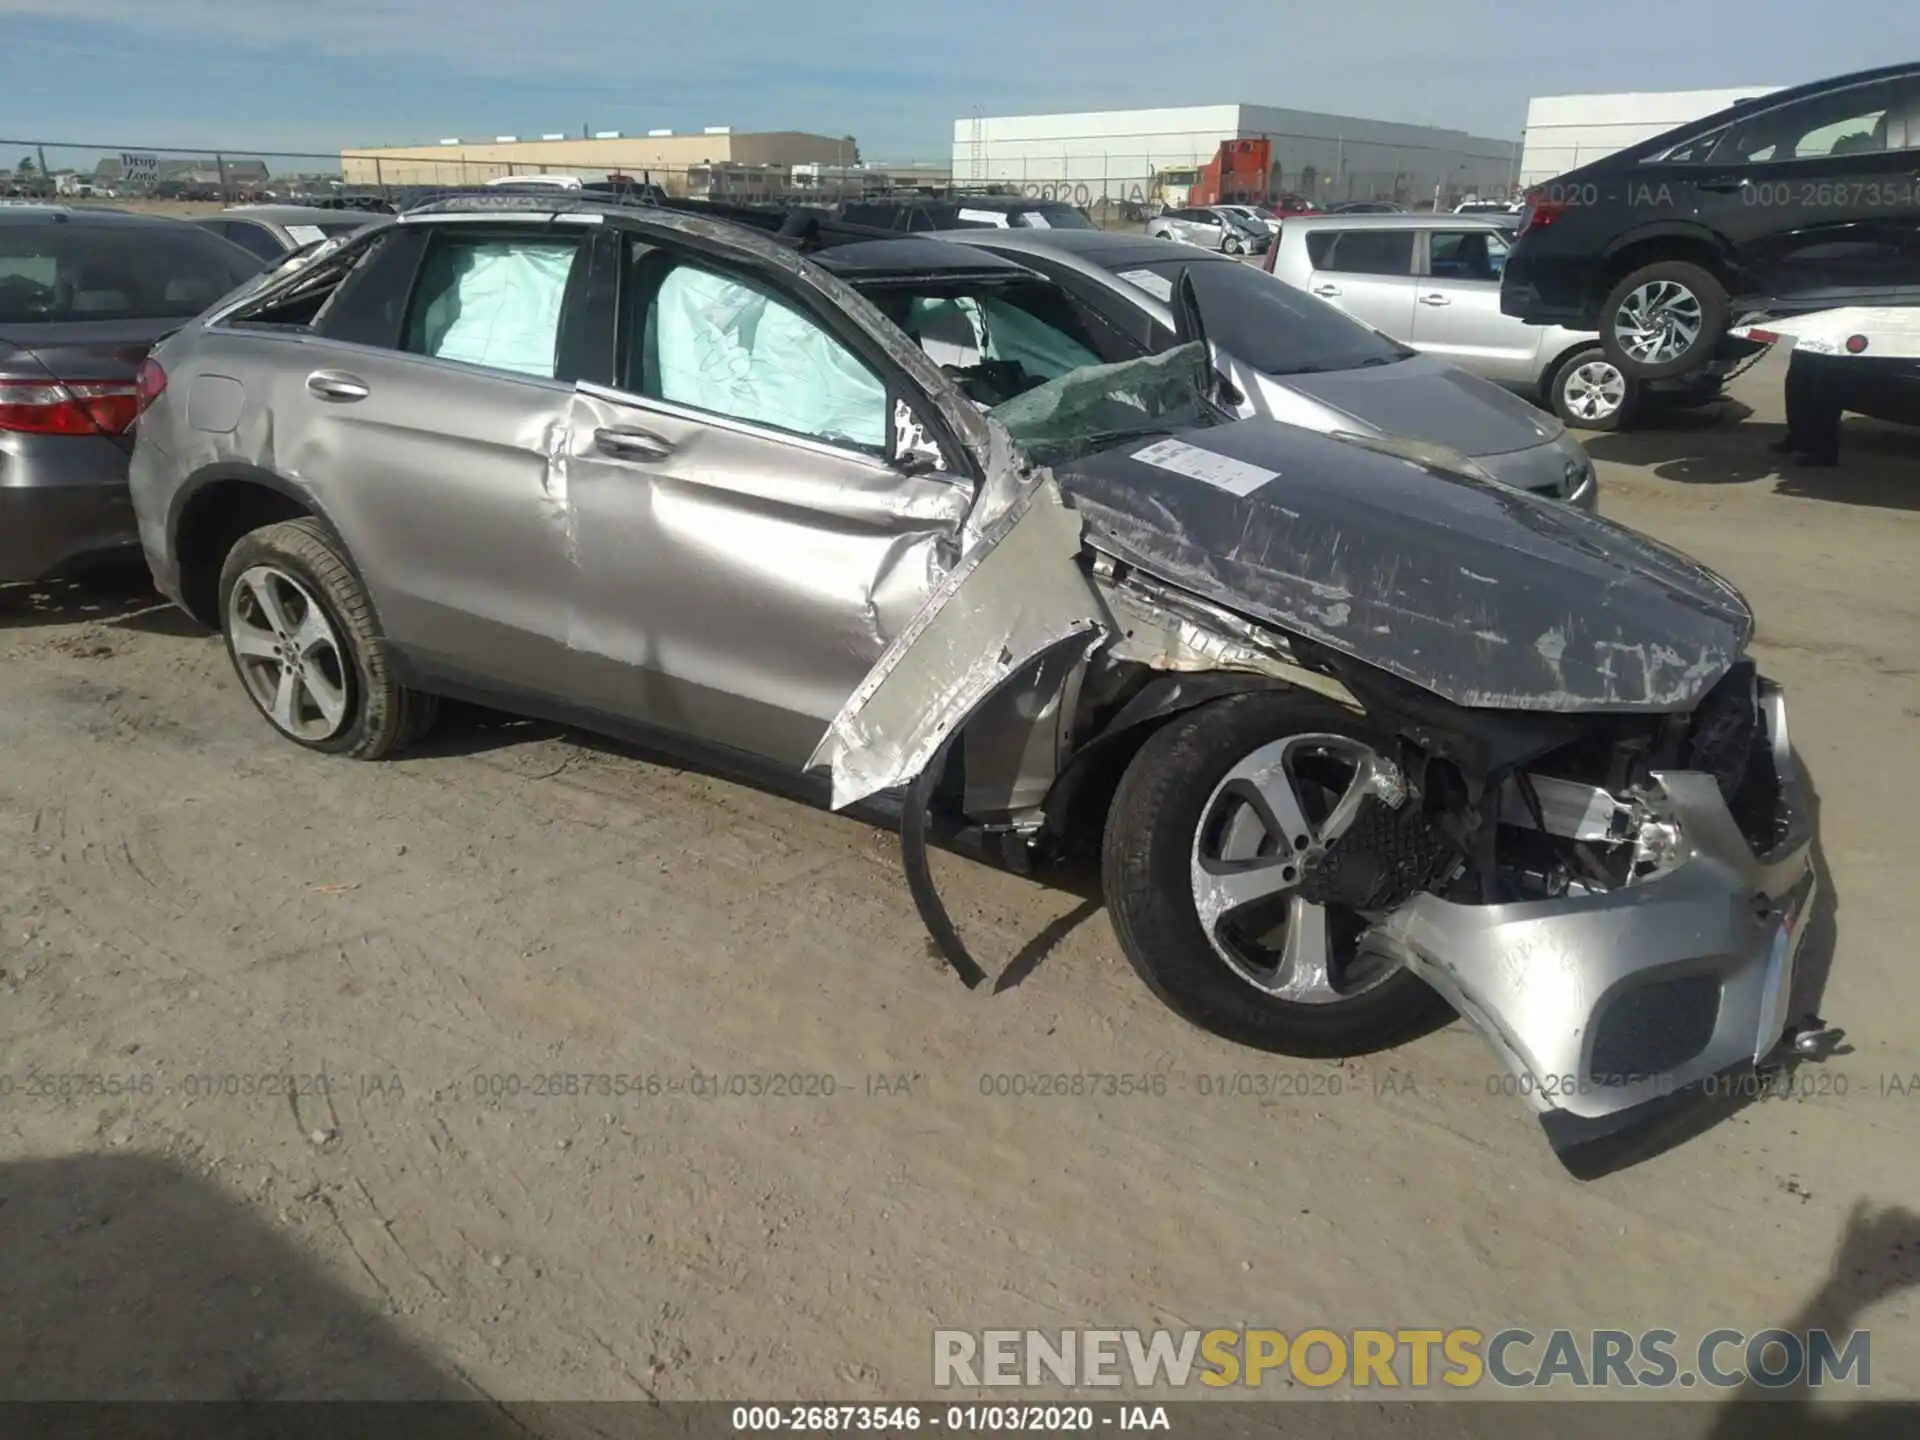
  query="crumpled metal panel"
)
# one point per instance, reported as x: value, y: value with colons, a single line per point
x: 1486, y: 596
x: 1014, y: 594
x: 1538, y: 977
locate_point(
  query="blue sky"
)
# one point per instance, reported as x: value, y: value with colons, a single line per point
x: 295, y: 75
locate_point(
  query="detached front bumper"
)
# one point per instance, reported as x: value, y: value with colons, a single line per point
x: 1602, y: 1003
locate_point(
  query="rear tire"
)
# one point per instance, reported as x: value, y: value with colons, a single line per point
x: 1589, y: 392
x: 1664, y: 320
x: 1153, y: 842
x: 301, y: 633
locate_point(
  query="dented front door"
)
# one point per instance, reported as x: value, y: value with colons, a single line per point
x: 1017, y: 594
x: 736, y: 583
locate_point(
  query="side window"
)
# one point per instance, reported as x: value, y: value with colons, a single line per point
x: 256, y: 238
x: 1466, y: 254
x: 1320, y: 247
x: 731, y: 347
x: 492, y: 301
x: 1373, y: 252
x: 1853, y: 121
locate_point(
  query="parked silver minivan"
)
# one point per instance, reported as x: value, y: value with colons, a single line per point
x: 1433, y: 281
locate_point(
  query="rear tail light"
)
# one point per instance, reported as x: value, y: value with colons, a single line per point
x: 68, y: 407
x: 1540, y: 212
x: 149, y: 382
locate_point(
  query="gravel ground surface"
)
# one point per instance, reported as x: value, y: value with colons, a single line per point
x: 463, y: 958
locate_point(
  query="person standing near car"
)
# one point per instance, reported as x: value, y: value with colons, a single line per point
x: 1821, y: 387
x: 1815, y: 392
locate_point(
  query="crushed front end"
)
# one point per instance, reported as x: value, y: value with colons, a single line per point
x: 1635, y: 936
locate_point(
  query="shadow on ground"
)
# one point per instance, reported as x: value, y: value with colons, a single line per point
x: 1879, y: 464
x: 129, y: 1278
x: 107, y: 594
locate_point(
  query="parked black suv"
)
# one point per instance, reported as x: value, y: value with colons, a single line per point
x: 1800, y: 200
x: 961, y: 212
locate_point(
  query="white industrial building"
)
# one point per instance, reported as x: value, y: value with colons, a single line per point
x: 1567, y: 131
x: 1117, y: 155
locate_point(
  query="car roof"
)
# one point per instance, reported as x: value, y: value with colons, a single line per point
x: 1706, y: 124
x: 1409, y: 220
x: 911, y: 255
x: 1105, y: 248
x: 79, y: 214
x: 290, y: 214
x: 971, y: 202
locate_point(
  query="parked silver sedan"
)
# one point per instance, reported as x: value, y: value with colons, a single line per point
x: 1298, y: 359
x: 1434, y: 282
x: 1358, y: 736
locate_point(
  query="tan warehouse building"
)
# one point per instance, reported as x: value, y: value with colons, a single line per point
x: 665, y: 155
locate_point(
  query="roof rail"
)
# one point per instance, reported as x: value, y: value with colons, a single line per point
x: 806, y: 227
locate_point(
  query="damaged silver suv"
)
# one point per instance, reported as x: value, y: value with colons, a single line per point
x: 1359, y: 732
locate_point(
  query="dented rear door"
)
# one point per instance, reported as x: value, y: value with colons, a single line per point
x: 442, y: 471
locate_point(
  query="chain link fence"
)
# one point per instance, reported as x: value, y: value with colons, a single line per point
x: 1115, y: 190
x: 186, y: 181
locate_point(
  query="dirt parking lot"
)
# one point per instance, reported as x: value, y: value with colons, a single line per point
x: 490, y: 970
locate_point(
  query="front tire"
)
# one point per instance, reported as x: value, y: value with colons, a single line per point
x: 1214, y: 909
x: 300, y: 631
x: 1589, y: 392
x: 1664, y: 320
x: 1232, y: 245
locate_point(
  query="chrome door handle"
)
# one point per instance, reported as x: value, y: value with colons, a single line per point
x: 629, y: 442
x: 1725, y: 184
x: 1435, y: 300
x: 1326, y: 290
x: 337, y: 385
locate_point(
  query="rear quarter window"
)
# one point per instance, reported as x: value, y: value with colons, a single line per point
x: 70, y: 271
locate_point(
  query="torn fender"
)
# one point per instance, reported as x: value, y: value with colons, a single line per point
x: 1016, y: 593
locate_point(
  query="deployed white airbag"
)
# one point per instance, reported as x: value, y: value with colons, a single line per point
x: 495, y: 304
x: 733, y: 349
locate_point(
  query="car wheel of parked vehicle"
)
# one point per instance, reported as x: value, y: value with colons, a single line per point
x: 1589, y: 392
x: 300, y: 631
x: 1230, y: 890
x: 1663, y: 320
x: 1233, y: 245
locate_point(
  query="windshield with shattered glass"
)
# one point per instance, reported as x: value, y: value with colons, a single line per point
x: 1099, y: 406
x: 1061, y: 378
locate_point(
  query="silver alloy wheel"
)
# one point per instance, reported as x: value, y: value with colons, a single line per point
x: 1594, y: 390
x: 288, y: 655
x: 1659, y: 322
x: 1231, y: 245
x: 1262, y: 833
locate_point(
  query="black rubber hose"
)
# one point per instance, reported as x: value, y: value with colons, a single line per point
x: 913, y: 825
x: 913, y: 859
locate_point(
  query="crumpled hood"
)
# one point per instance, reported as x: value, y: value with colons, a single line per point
x: 1485, y: 595
x: 1427, y: 399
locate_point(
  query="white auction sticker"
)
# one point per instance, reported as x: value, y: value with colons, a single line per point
x: 305, y: 234
x: 995, y: 218
x: 1222, y: 472
x: 1158, y: 286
